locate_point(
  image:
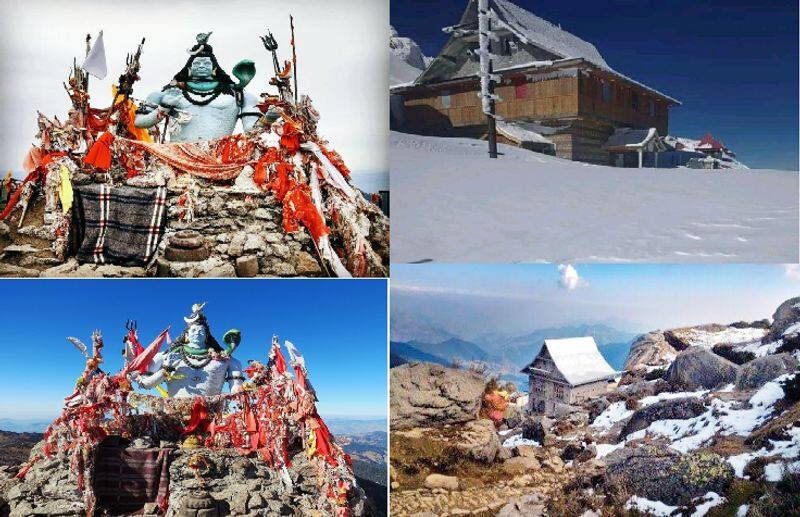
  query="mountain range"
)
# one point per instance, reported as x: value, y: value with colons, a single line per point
x: 504, y: 355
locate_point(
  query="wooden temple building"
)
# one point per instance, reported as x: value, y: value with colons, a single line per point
x: 566, y: 371
x: 557, y: 93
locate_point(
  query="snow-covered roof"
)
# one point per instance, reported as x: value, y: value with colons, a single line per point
x: 519, y: 132
x: 635, y: 139
x: 578, y: 359
x: 541, y: 33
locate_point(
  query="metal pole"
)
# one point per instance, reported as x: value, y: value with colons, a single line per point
x: 487, y: 68
x: 491, y: 122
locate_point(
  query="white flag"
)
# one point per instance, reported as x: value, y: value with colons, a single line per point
x: 95, y: 62
x: 294, y: 354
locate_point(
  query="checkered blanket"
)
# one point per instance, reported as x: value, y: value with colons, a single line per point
x: 126, y: 479
x: 118, y: 225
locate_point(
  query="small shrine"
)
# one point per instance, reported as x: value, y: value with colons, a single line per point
x: 200, y: 178
x: 259, y: 449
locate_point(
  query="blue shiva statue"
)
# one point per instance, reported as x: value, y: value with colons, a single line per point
x: 204, y: 99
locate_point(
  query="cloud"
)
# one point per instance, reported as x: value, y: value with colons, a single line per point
x: 792, y: 271
x: 569, y: 278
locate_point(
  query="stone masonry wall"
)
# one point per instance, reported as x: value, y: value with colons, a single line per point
x: 243, y: 233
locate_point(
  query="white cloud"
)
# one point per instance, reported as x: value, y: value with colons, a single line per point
x: 792, y: 271
x: 569, y: 278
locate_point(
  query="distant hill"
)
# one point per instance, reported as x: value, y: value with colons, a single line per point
x: 352, y: 426
x: 452, y: 349
x: 23, y: 426
x: 407, y: 352
x: 408, y: 327
x: 15, y: 447
x: 396, y: 360
x: 369, y: 454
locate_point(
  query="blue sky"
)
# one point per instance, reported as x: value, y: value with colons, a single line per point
x: 338, y: 326
x: 470, y: 300
x: 733, y: 63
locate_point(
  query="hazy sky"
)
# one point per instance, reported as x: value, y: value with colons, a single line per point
x: 470, y: 300
x: 341, y: 46
x: 732, y: 63
x: 339, y: 327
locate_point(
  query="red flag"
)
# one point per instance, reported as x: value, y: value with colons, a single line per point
x: 278, y: 361
x: 143, y: 360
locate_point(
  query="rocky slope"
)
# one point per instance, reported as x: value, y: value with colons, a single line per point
x: 244, y: 485
x: 14, y: 447
x: 704, y: 421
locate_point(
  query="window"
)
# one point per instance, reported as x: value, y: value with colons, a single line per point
x: 652, y: 109
x: 606, y: 92
x: 521, y: 91
x: 507, y: 46
x: 445, y: 99
x: 634, y: 101
x: 559, y: 391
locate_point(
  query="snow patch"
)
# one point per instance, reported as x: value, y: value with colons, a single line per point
x: 656, y: 508
x: 786, y: 449
x: 519, y: 440
x: 721, y: 418
x: 702, y: 505
x: 731, y: 335
x: 614, y: 413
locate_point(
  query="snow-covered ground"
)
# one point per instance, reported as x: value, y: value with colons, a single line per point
x: 458, y: 205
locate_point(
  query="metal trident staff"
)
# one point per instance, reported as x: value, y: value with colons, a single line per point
x: 294, y: 58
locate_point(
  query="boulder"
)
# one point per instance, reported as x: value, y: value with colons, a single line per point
x: 756, y: 373
x: 733, y: 353
x: 758, y: 324
x: 433, y: 481
x: 520, y: 465
x: 662, y: 474
x: 651, y: 349
x: 513, y: 415
x: 595, y: 406
x: 532, y: 505
x: 671, y: 409
x: 533, y: 428
x: 682, y: 338
x: 786, y: 316
x: 479, y: 440
x: 697, y: 367
x: 429, y: 395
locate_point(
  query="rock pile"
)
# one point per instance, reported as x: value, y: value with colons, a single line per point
x: 236, y: 485
x: 236, y: 234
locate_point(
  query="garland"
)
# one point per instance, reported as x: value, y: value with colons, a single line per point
x: 205, y: 102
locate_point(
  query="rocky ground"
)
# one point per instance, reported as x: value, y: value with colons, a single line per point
x: 233, y: 232
x: 240, y: 485
x: 705, y: 421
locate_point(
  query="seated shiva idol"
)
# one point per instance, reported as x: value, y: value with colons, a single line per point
x: 196, y: 364
x: 205, y: 101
